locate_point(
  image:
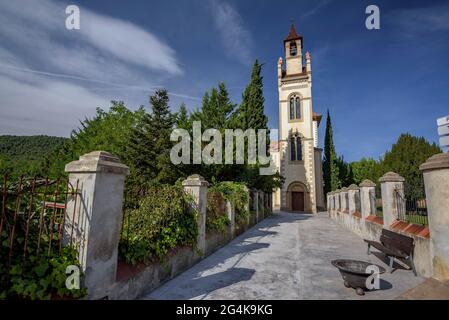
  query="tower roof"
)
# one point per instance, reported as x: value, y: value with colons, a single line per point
x: 292, y: 34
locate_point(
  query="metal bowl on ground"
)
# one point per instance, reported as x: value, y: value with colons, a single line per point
x: 355, y: 273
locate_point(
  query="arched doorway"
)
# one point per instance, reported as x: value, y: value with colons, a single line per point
x: 296, y: 197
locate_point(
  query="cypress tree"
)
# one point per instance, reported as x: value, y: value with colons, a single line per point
x: 250, y: 114
x: 330, y: 165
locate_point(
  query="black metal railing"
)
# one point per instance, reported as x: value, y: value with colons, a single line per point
x: 412, y: 210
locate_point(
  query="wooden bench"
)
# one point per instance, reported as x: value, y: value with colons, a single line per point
x: 395, y: 245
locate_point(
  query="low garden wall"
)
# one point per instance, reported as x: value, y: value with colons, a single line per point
x: 128, y: 246
x: 134, y: 281
x: 355, y: 208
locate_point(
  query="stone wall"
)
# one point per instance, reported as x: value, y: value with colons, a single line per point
x: 431, y: 243
x: 101, y: 177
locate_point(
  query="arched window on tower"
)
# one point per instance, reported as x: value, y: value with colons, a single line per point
x: 292, y: 109
x: 293, y: 149
x: 295, y: 107
x: 298, y: 149
x: 293, y: 49
x: 298, y: 109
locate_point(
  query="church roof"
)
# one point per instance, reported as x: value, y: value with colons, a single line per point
x: 292, y: 34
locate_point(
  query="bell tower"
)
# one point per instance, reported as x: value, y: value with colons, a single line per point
x: 299, y: 156
x: 293, y: 51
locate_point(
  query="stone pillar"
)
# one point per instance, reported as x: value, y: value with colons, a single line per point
x: 367, y: 198
x: 94, y: 217
x: 392, y: 187
x: 337, y: 200
x: 261, y: 212
x: 197, y: 187
x: 330, y: 202
x: 436, y: 181
x: 247, y: 204
x: 344, y: 199
x: 353, y: 199
x: 256, y: 204
x: 230, y: 211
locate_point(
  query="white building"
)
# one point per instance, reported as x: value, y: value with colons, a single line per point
x: 296, y: 153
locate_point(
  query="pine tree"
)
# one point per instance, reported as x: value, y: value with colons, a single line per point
x: 330, y: 163
x: 183, y: 118
x: 149, y: 148
x: 216, y: 109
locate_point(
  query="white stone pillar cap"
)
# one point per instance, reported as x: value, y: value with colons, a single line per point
x: 97, y: 161
x: 353, y: 187
x: 195, y: 180
x: 367, y: 183
x: 391, y: 177
x: 435, y: 162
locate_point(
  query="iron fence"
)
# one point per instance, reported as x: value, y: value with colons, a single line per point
x: 410, y: 209
x: 33, y: 215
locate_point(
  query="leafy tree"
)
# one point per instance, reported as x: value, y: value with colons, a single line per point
x: 405, y: 157
x: 345, y: 175
x: 107, y: 131
x: 366, y: 168
x: 22, y: 155
x: 3, y: 165
x: 330, y: 164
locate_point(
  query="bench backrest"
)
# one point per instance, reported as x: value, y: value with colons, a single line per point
x: 395, y: 241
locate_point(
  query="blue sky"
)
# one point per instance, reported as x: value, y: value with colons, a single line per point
x: 376, y: 83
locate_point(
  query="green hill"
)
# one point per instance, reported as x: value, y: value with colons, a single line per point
x: 22, y: 155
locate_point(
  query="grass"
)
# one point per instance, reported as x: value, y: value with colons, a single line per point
x: 417, y: 219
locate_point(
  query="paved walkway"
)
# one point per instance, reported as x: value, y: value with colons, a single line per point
x: 286, y: 256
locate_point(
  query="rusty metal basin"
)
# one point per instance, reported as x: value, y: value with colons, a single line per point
x: 354, y: 273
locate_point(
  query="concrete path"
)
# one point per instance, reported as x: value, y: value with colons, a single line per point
x: 286, y: 256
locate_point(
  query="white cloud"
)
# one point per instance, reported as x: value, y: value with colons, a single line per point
x: 42, y: 23
x: 51, y: 77
x: 236, y: 38
x: 317, y: 6
x: 52, y: 108
x: 420, y: 20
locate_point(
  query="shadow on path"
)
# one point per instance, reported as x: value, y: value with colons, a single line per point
x: 197, y: 287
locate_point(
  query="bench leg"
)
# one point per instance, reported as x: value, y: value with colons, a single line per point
x: 391, y: 264
x: 412, y: 265
x: 369, y: 252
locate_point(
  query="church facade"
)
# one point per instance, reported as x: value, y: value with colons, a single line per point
x: 296, y: 153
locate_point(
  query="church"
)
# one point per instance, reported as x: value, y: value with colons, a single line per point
x: 296, y: 153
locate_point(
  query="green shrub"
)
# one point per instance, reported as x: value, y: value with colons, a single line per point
x: 163, y: 219
x: 32, y: 266
x: 216, y: 218
x: 39, y: 277
x: 235, y: 193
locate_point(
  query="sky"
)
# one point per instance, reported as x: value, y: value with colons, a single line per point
x: 376, y: 84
